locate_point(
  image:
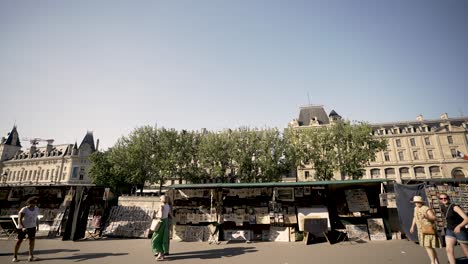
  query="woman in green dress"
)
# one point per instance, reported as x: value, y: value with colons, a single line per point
x: 160, y: 238
x: 423, y: 216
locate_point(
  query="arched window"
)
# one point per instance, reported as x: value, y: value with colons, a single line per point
x: 404, y: 173
x: 375, y: 173
x: 390, y: 173
x: 457, y: 173
x: 419, y: 172
x: 435, y: 171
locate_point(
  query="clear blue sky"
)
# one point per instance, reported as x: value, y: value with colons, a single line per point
x: 109, y: 66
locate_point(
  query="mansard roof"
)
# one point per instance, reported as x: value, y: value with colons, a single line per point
x: 433, y: 123
x: 10, y: 137
x: 39, y: 152
x: 307, y: 112
x: 333, y: 113
x: 88, y: 139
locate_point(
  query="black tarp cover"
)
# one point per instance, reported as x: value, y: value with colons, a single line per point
x: 404, y: 194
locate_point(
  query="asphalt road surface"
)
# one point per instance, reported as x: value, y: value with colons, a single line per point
x: 136, y: 251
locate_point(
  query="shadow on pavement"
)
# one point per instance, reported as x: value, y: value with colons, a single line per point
x: 41, y: 251
x: 211, y: 254
x: 87, y: 256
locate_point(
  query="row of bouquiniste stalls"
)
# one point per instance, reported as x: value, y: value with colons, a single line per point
x: 286, y: 211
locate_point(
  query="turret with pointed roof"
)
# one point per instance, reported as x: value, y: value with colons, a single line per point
x: 10, y: 145
x: 87, y: 145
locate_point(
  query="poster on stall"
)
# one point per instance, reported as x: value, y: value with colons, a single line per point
x: 357, y: 200
x: 376, y: 229
x: 391, y: 200
x: 357, y: 232
x: 312, y: 212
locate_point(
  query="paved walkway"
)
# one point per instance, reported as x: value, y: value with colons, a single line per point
x: 136, y: 251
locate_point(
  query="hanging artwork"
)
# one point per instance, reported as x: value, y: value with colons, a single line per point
x: 357, y: 200
x: 285, y: 194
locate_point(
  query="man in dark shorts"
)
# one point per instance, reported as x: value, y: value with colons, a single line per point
x: 27, y: 226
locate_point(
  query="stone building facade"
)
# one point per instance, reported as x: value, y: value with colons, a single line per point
x: 65, y: 164
x: 419, y: 149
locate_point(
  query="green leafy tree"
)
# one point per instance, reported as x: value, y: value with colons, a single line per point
x: 245, y: 145
x: 103, y: 172
x: 269, y: 157
x: 320, y: 152
x: 294, y: 150
x: 214, y: 155
x: 188, y: 143
x: 355, y: 146
x: 166, y: 156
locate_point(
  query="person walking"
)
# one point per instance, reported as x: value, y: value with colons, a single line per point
x: 160, y: 238
x: 455, y: 230
x: 425, y: 217
x: 27, y: 225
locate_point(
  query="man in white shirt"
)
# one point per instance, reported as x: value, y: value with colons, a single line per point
x: 27, y: 225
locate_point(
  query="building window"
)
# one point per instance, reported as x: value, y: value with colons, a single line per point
x: 427, y: 141
x: 413, y: 142
x: 398, y: 142
x: 387, y: 156
x: 375, y: 173
x: 435, y: 171
x: 82, y: 173
x: 430, y: 154
x: 419, y: 172
x: 454, y: 153
x: 75, y: 172
x: 401, y: 156
x: 306, y: 174
x: 404, y: 173
x: 458, y: 174
x: 390, y: 173
x: 52, y: 174
x: 47, y: 175
x: 450, y: 139
x: 415, y: 155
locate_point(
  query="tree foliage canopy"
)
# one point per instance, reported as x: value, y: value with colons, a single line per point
x: 154, y: 155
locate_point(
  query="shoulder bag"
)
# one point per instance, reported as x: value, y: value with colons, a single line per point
x: 428, y: 229
x: 155, y: 224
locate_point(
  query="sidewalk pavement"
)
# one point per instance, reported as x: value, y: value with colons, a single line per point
x: 136, y: 251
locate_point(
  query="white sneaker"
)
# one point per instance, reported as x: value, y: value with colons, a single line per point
x: 15, y: 260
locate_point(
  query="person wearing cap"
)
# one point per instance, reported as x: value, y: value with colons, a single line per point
x: 423, y: 215
x: 455, y: 230
x: 27, y: 225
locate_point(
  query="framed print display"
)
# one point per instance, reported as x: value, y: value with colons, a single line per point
x: 285, y: 194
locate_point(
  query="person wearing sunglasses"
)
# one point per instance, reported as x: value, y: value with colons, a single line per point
x: 455, y: 230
